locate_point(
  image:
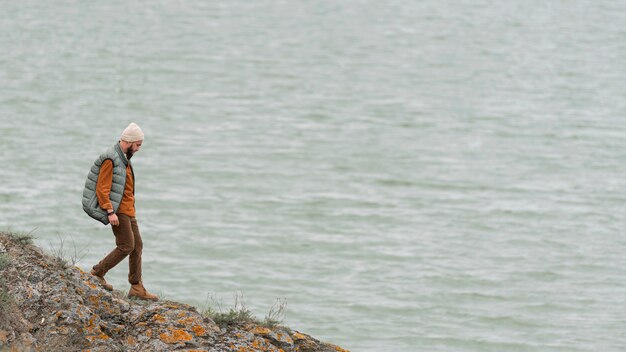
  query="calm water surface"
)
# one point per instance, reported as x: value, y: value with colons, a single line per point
x: 410, y: 176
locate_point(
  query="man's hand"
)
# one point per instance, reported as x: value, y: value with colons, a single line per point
x: 114, y: 220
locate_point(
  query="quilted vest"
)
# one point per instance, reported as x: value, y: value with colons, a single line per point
x: 90, y: 200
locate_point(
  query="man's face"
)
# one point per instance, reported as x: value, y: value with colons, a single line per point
x: 134, y: 147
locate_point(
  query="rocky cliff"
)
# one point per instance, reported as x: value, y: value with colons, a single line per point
x: 47, y: 304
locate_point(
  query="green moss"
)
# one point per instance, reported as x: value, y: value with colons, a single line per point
x: 5, y: 261
x: 5, y: 301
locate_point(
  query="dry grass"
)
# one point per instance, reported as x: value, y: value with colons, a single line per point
x: 66, y: 257
x: 276, y: 315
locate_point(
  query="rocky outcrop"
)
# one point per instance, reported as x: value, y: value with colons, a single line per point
x: 48, y: 305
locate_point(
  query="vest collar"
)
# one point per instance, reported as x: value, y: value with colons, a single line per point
x: 121, y: 153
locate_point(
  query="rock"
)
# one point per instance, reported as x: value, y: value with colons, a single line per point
x: 4, y: 336
x: 59, y: 308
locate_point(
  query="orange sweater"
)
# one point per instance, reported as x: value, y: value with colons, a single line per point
x: 103, y: 190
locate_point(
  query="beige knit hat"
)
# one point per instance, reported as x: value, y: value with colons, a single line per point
x: 132, y: 133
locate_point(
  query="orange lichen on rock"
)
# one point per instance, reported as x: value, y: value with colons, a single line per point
x: 100, y: 336
x: 283, y: 338
x: 299, y: 336
x: 94, y: 300
x: 259, y: 330
x: 189, y: 321
x: 131, y: 341
x: 258, y: 345
x: 198, y: 330
x: 175, y: 336
x: 339, y: 349
x: 159, y: 318
x: 94, y: 330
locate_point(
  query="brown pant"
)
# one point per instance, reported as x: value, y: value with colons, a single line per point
x: 128, y: 242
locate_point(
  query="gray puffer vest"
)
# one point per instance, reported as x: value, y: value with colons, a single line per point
x: 90, y: 200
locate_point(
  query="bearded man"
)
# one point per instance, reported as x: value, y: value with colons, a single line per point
x: 109, y: 197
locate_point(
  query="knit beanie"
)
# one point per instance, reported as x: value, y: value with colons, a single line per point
x: 132, y: 133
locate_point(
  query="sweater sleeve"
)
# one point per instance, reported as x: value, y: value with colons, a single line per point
x: 103, y: 187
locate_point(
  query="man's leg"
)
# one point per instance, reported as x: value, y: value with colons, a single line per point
x: 134, y: 271
x: 134, y: 260
x: 125, y: 242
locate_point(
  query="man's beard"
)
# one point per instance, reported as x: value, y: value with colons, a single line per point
x: 129, y: 154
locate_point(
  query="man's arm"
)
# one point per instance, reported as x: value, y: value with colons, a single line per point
x: 103, y: 189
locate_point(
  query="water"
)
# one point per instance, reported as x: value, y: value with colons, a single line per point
x: 410, y: 176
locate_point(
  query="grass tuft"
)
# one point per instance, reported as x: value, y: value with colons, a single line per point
x: 21, y: 238
x: 162, y: 296
x: 239, y: 314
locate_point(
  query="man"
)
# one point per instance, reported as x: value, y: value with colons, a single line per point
x: 109, y: 197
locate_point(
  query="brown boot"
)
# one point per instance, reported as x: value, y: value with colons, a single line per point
x: 107, y: 286
x: 138, y: 291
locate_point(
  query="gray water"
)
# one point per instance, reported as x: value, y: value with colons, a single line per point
x: 408, y: 175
